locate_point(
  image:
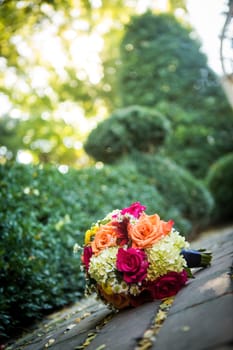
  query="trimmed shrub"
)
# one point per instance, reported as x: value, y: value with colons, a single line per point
x: 219, y: 180
x: 197, y: 139
x: 126, y: 129
x: 42, y: 214
x: 161, y: 62
x: 178, y: 187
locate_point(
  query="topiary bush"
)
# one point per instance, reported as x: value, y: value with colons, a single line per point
x: 197, y: 139
x: 134, y: 127
x: 178, y: 187
x: 219, y: 180
x: 160, y: 61
x: 161, y: 64
x: 42, y: 214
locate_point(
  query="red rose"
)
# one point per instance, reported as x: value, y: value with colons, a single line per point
x: 169, y: 284
x: 144, y: 297
x: 133, y: 263
x: 87, y: 254
x: 163, y: 287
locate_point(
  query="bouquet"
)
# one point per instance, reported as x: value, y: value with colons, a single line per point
x: 130, y: 258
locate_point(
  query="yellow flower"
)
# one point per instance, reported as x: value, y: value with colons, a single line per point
x: 119, y: 301
x: 107, y: 289
x: 90, y: 233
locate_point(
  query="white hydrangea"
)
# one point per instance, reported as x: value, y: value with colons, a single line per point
x: 165, y: 255
x: 177, y: 240
x: 102, y: 267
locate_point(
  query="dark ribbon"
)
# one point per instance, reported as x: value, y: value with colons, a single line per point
x: 192, y: 257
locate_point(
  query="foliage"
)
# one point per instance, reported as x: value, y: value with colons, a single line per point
x: 219, y: 180
x: 158, y: 47
x: 52, y: 79
x: 38, y: 230
x: 118, y: 138
x: 74, y: 31
x: 161, y: 65
x: 175, y: 4
x: 8, y: 137
x: 50, y: 86
x: 110, y: 64
x: 42, y: 214
x: 130, y: 128
x: 60, y: 77
x: 178, y: 187
x: 47, y: 140
x: 198, y: 138
x: 43, y: 90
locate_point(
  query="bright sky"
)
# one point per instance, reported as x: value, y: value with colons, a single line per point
x: 207, y: 18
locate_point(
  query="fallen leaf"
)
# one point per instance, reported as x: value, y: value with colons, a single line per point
x: 68, y: 328
x: 101, y: 347
x: 161, y: 316
x: 185, y: 328
x: 148, y: 334
x: 50, y: 342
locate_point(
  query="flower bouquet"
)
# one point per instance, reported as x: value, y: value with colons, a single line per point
x: 130, y: 258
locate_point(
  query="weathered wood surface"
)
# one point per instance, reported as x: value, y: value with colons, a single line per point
x: 201, y: 316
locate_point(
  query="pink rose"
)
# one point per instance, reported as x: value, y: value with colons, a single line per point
x: 133, y: 263
x: 169, y: 284
x: 135, y: 209
x: 87, y: 254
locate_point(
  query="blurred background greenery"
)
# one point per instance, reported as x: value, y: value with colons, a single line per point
x: 102, y: 103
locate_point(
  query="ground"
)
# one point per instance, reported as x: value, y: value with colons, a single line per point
x: 199, y: 317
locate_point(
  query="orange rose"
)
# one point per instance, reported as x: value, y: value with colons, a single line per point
x: 119, y: 301
x: 147, y: 230
x: 105, y: 236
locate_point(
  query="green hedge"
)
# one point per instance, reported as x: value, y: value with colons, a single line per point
x: 197, y: 139
x: 38, y: 271
x: 219, y: 180
x: 42, y: 214
x: 178, y: 187
x: 126, y: 129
